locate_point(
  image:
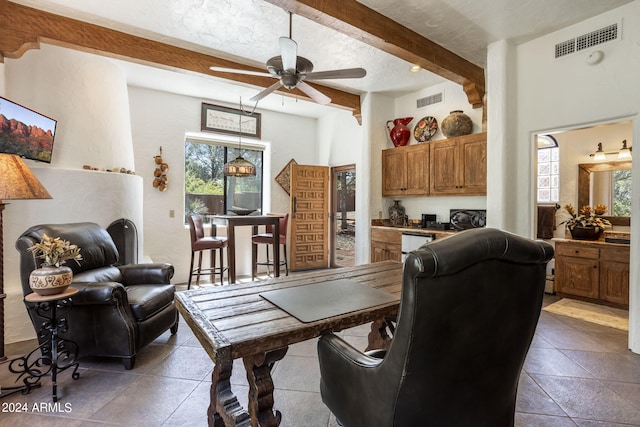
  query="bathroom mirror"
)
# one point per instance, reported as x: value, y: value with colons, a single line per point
x: 595, y: 185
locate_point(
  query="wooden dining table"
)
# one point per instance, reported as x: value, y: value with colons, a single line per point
x: 233, y: 221
x: 236, y: 322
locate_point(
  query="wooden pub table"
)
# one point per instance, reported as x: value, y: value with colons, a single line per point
x: 232, y: 221
x: 238, y: 321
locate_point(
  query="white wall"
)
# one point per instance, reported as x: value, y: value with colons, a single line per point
x: 163, y: 119
x: 548, y: 94
x: 88, y: 96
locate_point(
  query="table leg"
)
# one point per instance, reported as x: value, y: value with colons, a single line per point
x: 231, y: 236
x: 224, y: 409
x: 258, y: 369
x: 276, y: 247
x: 378, y: 337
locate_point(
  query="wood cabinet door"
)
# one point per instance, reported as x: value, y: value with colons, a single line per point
x: 394, y: 178
x: 473, y: 165
x: 417, y: 170
x: 443, y: 168
x: 577, y: 276
x: 309, y: 217
x: 614, y: 282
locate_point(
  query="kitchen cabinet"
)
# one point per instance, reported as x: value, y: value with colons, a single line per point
x: 386, y: 245
x: 405, y: 171
x: 594, y: 271
x: 458, y: 166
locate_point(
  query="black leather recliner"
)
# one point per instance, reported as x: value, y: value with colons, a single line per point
x: 469, y: 308
x: 118, y: 309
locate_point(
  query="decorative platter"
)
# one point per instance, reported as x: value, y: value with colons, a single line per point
x: 425, y: 129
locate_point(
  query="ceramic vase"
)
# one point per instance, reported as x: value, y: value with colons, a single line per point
x: 50, y: 280
x: 399, y: 133
x: 579, y: 232
x: 456, y: 124
x: 396, y: 213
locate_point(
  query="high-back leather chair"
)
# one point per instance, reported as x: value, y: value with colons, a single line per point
x: 266, y: 239
x: 201, y: 243
x: 469, y: 307
x: 119, y: 308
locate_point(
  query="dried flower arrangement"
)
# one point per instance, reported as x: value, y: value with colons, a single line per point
x: 587, y: 217
x: 55, y: 251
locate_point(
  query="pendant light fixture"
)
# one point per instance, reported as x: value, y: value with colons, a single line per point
x: 240, y: 167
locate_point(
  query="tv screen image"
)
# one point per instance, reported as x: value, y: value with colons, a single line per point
x: 25, y: 132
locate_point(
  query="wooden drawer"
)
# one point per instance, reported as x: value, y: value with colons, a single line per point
x: 393, y: 237
x: 615, y: 254
x: 579, y: 251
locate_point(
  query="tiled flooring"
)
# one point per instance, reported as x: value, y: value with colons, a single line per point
x: 576, y: 374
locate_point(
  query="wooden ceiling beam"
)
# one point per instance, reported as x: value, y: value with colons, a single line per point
x: 23, y: 28
x: 362, y: 23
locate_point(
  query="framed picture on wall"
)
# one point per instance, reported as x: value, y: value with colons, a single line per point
x: 216, y: 118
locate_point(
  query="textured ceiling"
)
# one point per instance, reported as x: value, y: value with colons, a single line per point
x: 247, y: 31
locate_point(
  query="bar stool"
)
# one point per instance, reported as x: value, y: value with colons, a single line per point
x: 200, y: 243
x: 266, y: 238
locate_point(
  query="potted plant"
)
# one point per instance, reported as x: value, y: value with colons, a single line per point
x: 588, y: 223
x: 52, y: 277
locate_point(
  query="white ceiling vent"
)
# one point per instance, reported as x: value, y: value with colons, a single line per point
x: 594, y: 38
x: 429, y: 100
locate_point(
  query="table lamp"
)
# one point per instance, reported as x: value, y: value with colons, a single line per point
x: 17, y: 182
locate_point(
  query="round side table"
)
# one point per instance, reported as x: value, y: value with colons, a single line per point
x: 56, y: 354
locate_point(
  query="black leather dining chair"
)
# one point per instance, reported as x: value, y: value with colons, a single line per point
x: 469, y: 308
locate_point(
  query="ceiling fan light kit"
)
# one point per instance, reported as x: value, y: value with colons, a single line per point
x: 292, y: 70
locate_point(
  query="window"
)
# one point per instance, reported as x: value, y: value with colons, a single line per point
x: 548, y: 169
x: 621, y: 193
x: 207, y: 190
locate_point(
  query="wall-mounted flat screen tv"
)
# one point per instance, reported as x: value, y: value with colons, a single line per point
x: 25, y: 132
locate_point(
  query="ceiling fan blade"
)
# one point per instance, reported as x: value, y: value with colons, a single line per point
x: 235, y: 71
x: 314, y: 94
x: 266, y: 92
x: 288, y: 53
x: 347, y: 73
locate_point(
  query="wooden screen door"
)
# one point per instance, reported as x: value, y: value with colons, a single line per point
x: 309, y: 217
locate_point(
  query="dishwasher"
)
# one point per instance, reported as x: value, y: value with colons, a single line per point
x: 413, y: 241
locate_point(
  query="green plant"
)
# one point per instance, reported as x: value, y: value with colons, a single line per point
x: 587, y: 217
x: 55, y: 251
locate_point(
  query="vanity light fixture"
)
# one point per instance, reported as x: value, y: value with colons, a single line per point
x: 625, y: 152
x: 599, y: 155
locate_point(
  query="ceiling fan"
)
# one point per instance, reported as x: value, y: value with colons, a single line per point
x: 292, y: 70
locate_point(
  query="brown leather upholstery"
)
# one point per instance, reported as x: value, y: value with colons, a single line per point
x: 118, y: 309
x: 266, y: 238
x: 468, y: 312
x: 200, y: 243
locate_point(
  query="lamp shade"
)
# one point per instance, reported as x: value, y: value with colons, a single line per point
x: 239, y: 167
x: 17, y: 181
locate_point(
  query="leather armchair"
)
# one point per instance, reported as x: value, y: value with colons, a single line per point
x: 118, y: 309
x: 469, y: 309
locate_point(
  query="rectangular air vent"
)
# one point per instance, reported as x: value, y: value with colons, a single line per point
x: 429, y: 100
x: 594, y: 38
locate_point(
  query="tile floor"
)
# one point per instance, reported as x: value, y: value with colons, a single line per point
x: 576, y: 374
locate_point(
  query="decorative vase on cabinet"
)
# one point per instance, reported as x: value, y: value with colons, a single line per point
x: 400, y: 133
x: 579, y: 232
x: 396, y: 213
x: 456, y: 124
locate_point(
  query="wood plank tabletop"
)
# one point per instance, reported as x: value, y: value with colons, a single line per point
x: 235, y: 321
